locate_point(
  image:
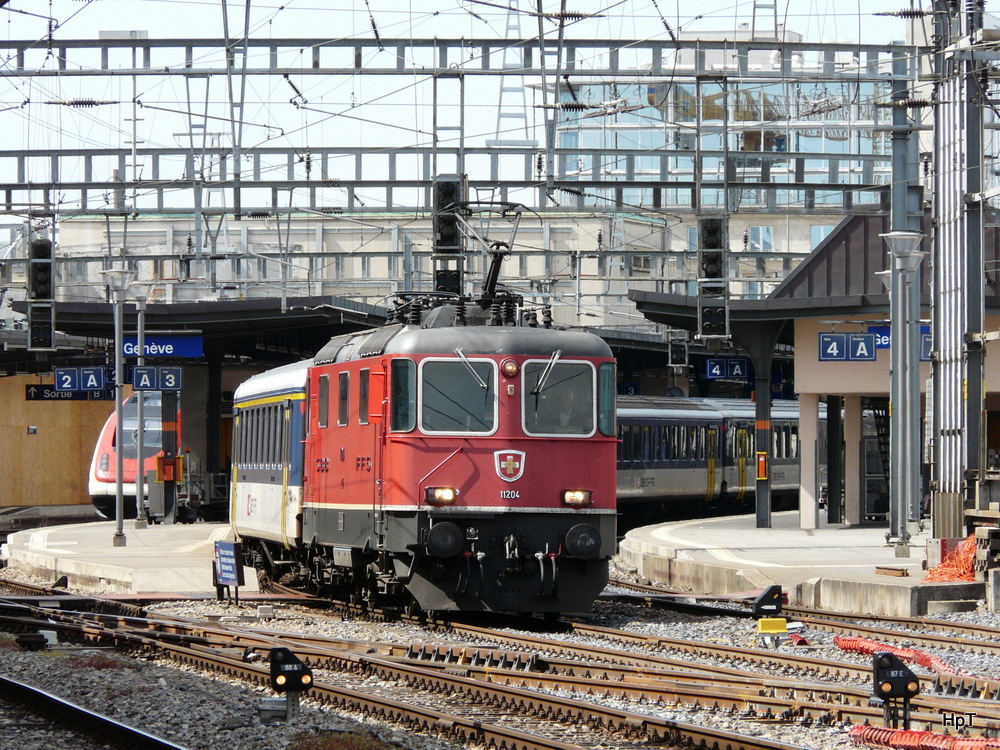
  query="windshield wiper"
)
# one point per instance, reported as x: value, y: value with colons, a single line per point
x: 465, y: 361
x: 546, y: 372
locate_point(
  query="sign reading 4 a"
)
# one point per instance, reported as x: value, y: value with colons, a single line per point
x: 847, y: 347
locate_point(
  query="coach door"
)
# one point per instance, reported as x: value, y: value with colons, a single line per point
x: 711, y: 450
x: 372, y: 406
x: 743, y: 450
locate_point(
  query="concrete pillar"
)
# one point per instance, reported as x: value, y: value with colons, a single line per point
x: 808, y: 460
x: 853, y: 456
x: 993, y: 590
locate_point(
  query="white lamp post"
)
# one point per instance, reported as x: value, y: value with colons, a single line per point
x: 904, y: 385
x: 142, y: 291
x: 119, y: 280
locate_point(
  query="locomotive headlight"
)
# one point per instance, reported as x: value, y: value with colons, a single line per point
x: 440, y: 495
x: 509, y: 368
x: 104, y: 462
x: 576, y: 498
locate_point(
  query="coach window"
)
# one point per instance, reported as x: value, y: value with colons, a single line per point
x: 243, y: 436
x: 272, y: 435
x: 258, y: 437
x: 343, y: 398
x: 458, y: 395
x: 262, y: 437
x: 276, y: 435
x: 249, y: 425
x: 282, y: 433
x: 267, y: 436
x: 323, y: 407
x: 633, y: 442
x: 403, y: 395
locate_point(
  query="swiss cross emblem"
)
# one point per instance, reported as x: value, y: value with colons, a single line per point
x: 509, y: 464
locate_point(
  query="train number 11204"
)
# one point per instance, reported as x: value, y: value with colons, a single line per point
x: 510, y: 495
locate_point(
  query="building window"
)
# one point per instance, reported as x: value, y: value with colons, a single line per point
x: 642, y: 264
x: 761, y: 239
x: 817, y: 234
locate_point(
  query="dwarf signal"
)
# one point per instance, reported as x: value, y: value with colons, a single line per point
x: 288, y: 673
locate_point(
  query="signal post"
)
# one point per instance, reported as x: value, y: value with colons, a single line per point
x: 713, y: 277
x: 41, y: 313
x: 449, y: 244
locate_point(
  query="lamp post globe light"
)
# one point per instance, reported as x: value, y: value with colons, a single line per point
x: 119, y: 280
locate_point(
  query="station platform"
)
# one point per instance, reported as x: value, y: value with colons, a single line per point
x: 160, y: 558
x: 834, y: 567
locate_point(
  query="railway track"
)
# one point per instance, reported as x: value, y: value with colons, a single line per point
x: 543, y: 677
x: 25, y: 708
x: 545, y: 720
x: 909, y: 632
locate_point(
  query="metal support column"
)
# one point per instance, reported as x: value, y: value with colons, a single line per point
x: 759, y: 340
x: 903, y: 239
x: 957, y: 373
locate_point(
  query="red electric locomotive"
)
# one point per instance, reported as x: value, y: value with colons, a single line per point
x: 457, y: 467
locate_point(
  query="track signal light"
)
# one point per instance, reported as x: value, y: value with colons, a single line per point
x: 892, y: 678
x: 41, y: 326
x: 712, y: 318
x: 448, y: 280
x: 712, y: 233
x: 288, y: 673
x: 448, y: 200
x: 712, y: 260
x: 40, y: 270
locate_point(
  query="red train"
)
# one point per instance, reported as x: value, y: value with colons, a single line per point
x: 434, y: 464
x: 102, y: 482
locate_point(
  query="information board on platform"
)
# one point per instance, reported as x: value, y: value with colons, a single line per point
x: 228, y: 565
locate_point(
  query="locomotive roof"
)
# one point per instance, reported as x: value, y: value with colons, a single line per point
x: 496, y: 340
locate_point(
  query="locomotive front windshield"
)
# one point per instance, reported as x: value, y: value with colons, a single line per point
x: 458, y: 395
x: 152, y: 426
x: 559, y: 397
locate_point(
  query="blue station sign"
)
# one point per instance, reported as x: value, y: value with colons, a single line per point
x: 165, y: 345
x: 883, y: 335
x: 148, y: 378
